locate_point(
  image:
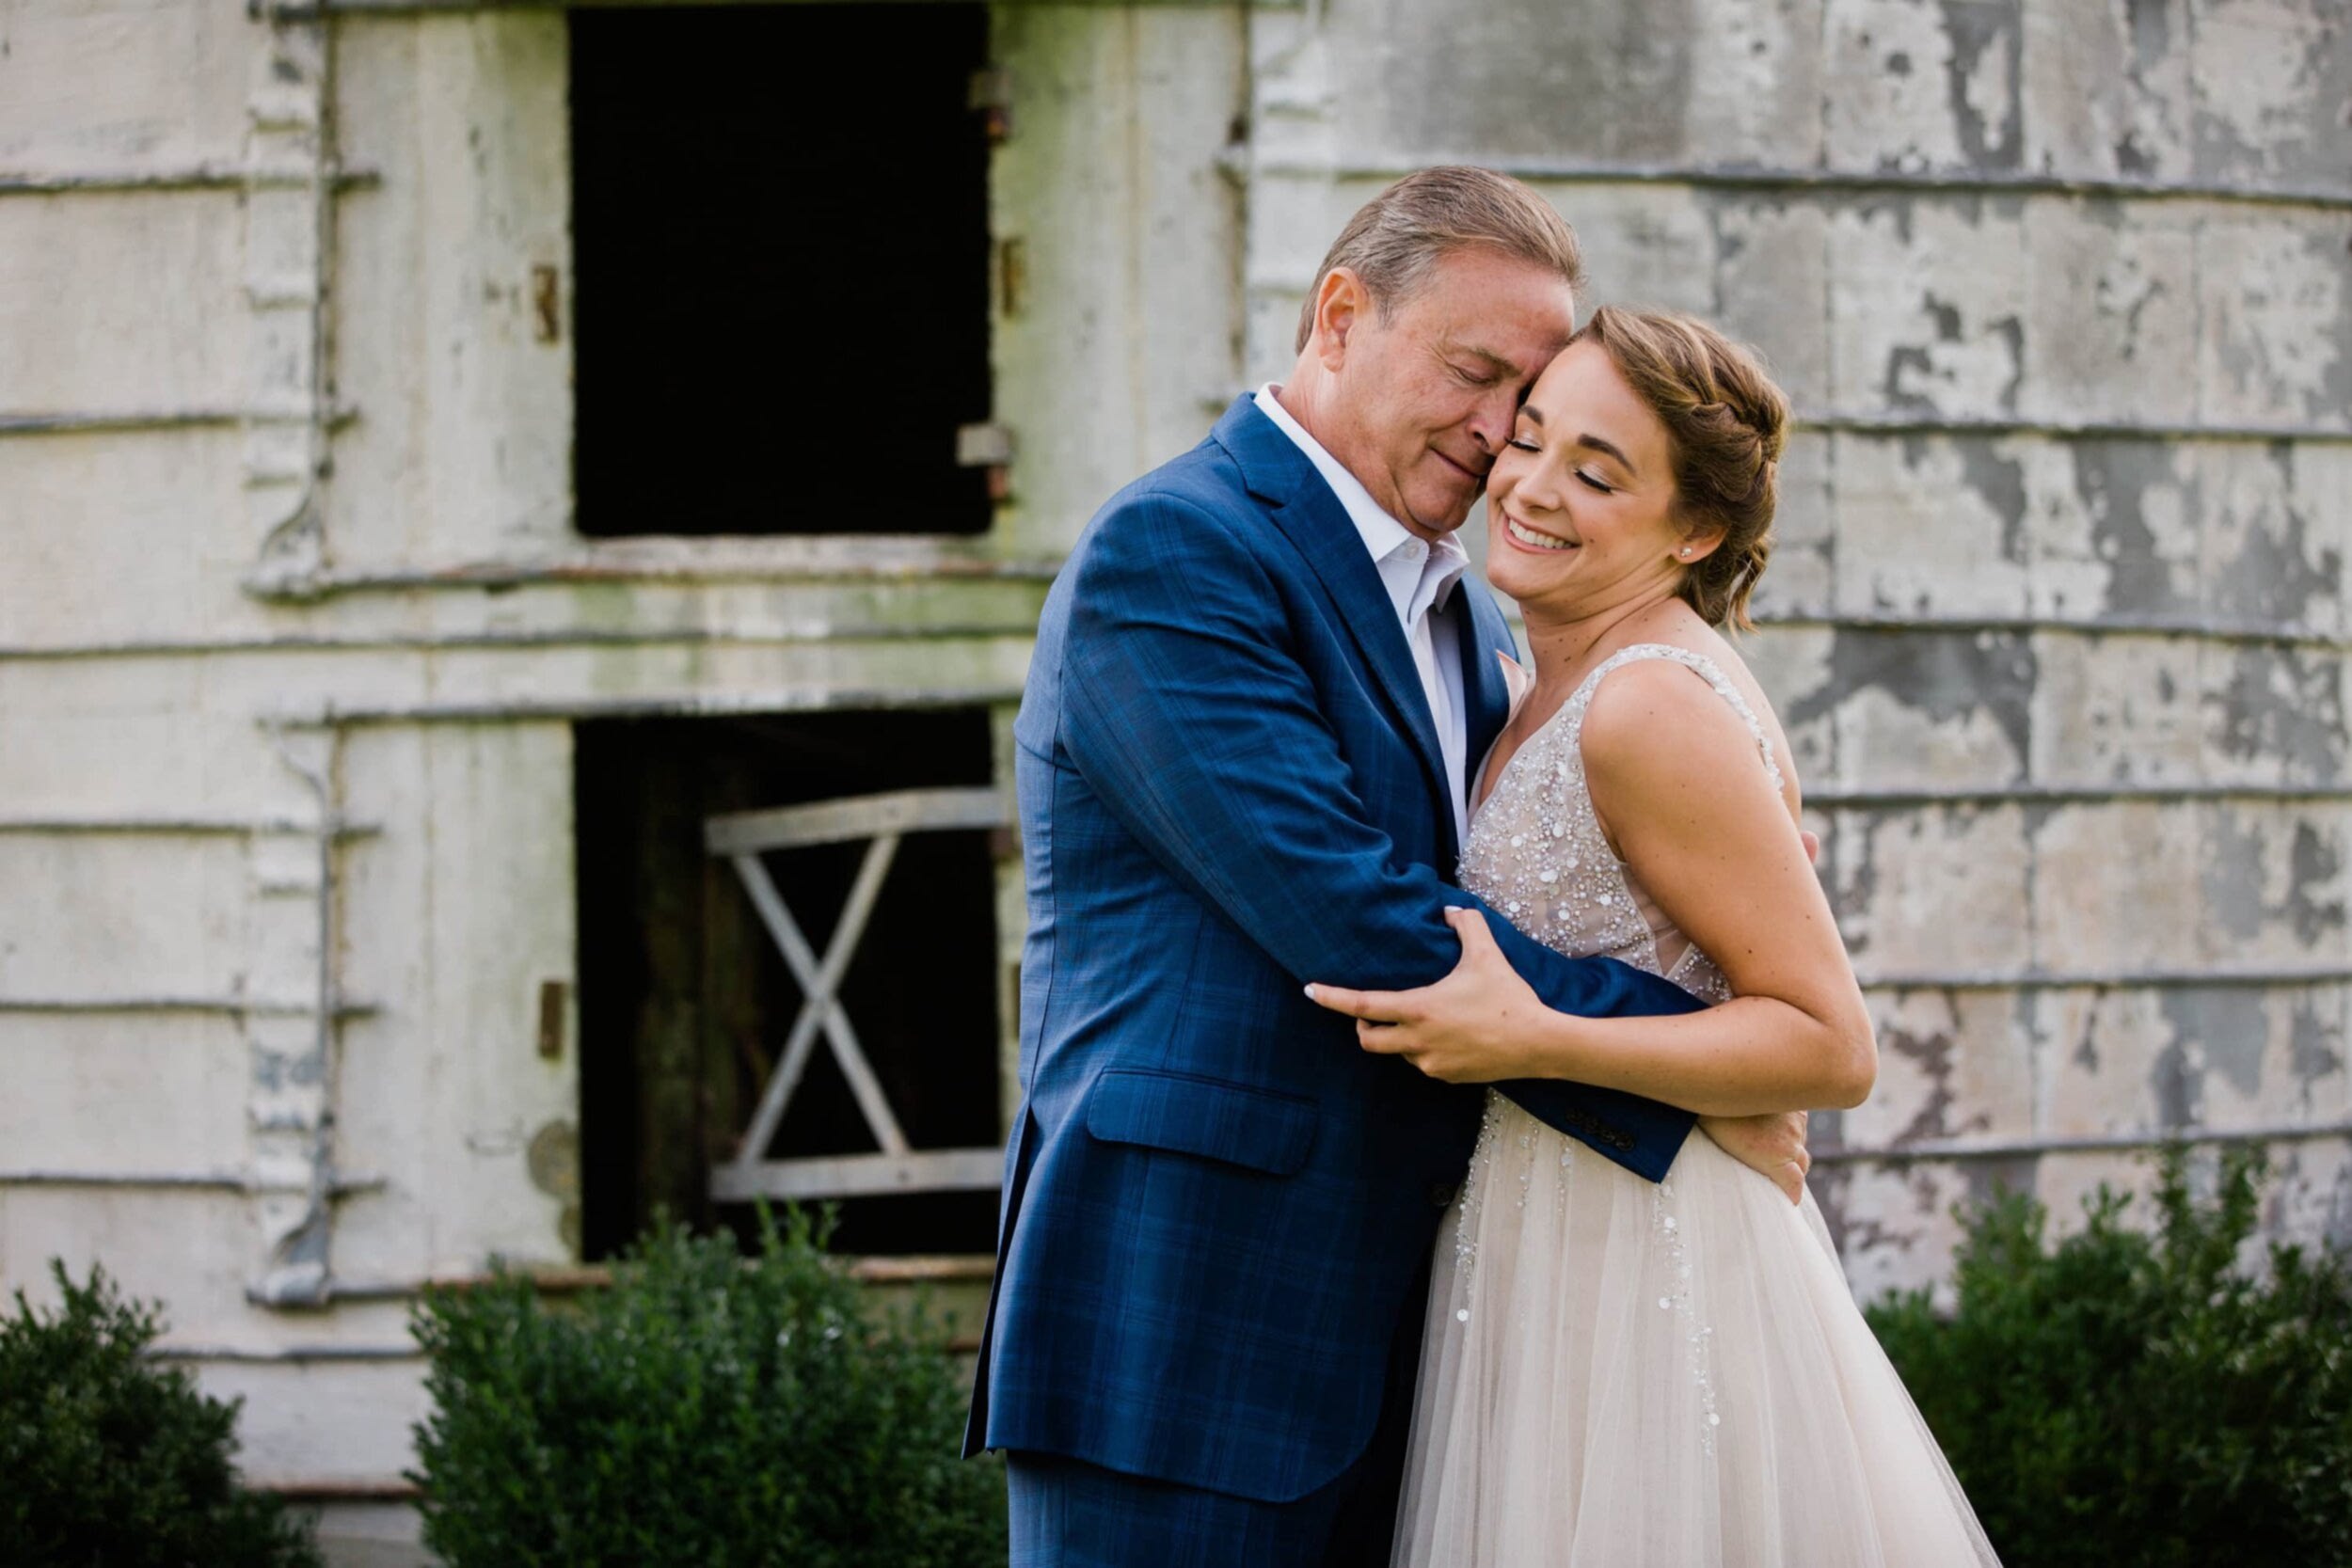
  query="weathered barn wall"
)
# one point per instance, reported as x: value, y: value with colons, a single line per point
x: 293, y: 624
x: 2062, y: 294
x: 293, y: 619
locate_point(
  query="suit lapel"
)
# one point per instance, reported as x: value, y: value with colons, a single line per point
x: 1304, y: 508
x: 1484, y: 634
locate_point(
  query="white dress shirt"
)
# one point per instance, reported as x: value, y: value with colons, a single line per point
x: 1420, y: 578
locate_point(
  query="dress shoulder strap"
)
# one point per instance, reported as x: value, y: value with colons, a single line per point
x: 1699, y: 664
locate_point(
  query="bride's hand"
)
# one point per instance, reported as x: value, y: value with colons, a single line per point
x: 1468, y: 1028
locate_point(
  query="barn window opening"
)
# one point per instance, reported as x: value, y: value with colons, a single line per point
x: 687, y: 1001
x: 781, y: 280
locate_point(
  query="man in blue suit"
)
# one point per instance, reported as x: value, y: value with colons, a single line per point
x: 1261, y: 687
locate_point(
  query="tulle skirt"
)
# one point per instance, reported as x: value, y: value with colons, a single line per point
x: 1618, y: 1374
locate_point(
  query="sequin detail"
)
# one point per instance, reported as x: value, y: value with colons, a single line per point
x: 1536, y: 852
x: 1697, y: 1336
x: 1467, y: 1202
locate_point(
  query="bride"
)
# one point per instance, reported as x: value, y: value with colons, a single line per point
x: 1616, y: 1372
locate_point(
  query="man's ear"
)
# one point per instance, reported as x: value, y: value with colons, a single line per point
x: 1341, y: 303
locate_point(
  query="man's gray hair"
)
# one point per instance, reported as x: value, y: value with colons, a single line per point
x: 1395, y: 239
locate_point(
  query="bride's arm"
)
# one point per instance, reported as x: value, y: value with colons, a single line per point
x: 1676, y: 781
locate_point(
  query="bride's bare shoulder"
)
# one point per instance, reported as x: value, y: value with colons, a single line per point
x: 1735, y: 667
x: 1649, y: 706
x: 1702, y: 639
x: 1657, y: 723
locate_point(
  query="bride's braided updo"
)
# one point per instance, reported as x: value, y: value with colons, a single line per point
x: 1725, y: 423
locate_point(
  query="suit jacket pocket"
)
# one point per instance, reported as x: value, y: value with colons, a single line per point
x: 1252, y: 1128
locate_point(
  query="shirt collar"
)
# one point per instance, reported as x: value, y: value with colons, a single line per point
x: 1416, y: 577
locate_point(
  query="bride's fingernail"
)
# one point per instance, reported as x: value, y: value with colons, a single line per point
x: 1311, y: 994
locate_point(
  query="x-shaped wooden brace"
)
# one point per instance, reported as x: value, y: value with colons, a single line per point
x: 741, y: 838
x: 820, y: 1008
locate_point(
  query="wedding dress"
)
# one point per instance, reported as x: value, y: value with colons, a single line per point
x: 1618, y: 1374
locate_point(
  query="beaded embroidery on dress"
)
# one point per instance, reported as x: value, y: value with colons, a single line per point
x: 1624, y: 1373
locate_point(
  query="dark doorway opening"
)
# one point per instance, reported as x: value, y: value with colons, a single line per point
x: 780, y: 243
x: 684, y: 1000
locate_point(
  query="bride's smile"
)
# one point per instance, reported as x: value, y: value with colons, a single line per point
x: 1580, y: 507
x: 1519, y: 533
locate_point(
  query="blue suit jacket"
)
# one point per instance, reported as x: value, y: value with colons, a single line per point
x: 1217, y: 1205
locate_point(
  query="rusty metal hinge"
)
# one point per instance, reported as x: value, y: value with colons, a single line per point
x: 554, y: 994
x: 1012, y: 276
x: 991, y: 97
x: 546, y: 304
x: 989, y: 446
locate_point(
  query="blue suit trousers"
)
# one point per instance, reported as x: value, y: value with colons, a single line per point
x: 1068, y: 1514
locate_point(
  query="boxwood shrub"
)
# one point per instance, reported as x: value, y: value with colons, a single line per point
x: 110, y: 1460
x: 2136, y: 1398
x: 705, y: 1409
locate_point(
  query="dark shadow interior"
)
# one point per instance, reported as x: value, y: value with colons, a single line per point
x: 780, y: 240
x: 684, y: 999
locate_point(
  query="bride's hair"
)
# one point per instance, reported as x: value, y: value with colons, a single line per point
x: 1725, y: 423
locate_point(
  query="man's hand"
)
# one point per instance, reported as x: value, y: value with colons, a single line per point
x: 1773, y: 1144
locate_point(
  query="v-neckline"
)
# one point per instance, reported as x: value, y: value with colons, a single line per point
x: 1489, y: 778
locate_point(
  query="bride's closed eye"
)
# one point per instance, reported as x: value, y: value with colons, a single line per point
x: 1591, y: 481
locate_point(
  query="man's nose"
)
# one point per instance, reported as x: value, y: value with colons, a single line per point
x: 1490, y: 422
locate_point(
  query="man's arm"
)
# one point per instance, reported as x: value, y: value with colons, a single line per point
x: 1203, y: 735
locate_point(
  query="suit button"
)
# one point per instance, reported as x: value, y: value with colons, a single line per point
x: 1440, y: 1195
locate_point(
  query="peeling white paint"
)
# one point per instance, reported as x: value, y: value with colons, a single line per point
x: 2008, y: 610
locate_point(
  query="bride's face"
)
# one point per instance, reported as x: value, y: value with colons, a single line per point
x: 1581, y: 503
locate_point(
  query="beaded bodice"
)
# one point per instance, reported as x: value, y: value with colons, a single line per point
x: 1536, y: 851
